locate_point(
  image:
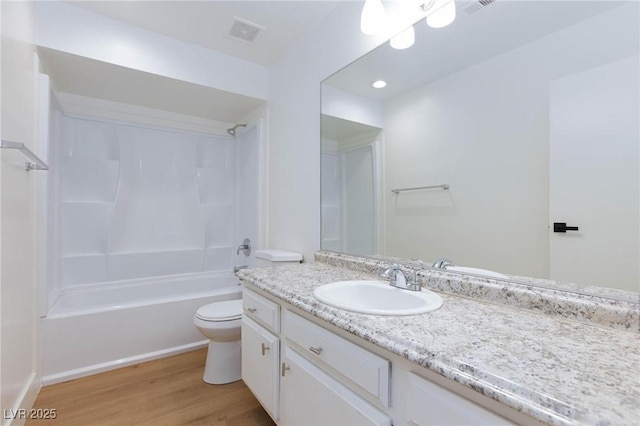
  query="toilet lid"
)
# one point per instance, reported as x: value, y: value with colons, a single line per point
x: 221, y: 311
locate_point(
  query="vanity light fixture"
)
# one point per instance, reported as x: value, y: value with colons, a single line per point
x: 443, y: 16
x: 373, y: 17
x: 404, y: 40
x: 379, y: 84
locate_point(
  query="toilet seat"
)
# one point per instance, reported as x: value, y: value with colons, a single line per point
x: 221, y: 311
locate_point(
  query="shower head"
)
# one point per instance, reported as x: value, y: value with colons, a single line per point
x: 232, y: 131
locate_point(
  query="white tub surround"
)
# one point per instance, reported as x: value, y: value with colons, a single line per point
x: 88, y: 331
x: 548, y: 368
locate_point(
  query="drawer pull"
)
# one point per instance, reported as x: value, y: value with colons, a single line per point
x: 316, y: 351
x: 285, y: 368
x: 251, y: 310
x: 265, y: 348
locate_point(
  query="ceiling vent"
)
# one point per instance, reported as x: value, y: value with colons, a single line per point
x: 474, y: 6
x: 245, y: 30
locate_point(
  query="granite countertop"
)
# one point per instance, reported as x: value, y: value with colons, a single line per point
x: 556, y: 370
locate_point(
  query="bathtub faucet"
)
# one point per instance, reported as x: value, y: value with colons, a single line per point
x: 237, y: 268
x: 245, y: 247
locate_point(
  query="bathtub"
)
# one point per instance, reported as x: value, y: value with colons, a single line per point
x: 99, y: 328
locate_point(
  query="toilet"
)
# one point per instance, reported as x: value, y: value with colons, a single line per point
x: 220, y: 323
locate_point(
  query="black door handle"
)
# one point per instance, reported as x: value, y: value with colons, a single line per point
x: 562, y: 227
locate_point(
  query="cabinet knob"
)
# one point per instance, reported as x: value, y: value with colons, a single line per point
x: 265, y: 348
x: 251, y: 310
x: 285, y: 368
x: 315, y: 350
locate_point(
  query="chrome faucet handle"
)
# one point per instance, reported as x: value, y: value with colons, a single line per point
x: 414, y: 284
x: 387, y: 272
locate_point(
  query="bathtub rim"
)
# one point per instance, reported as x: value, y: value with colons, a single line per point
x: 51, y: 313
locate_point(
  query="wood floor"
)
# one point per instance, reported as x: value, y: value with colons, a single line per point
x: 165, y: 392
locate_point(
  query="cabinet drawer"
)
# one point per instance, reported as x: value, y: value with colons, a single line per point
x: 311, y: 397
x: 429, y: 404
x: 365, y: 369
x: 261, y: 309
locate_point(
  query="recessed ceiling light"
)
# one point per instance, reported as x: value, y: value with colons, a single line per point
x: 379, y: 84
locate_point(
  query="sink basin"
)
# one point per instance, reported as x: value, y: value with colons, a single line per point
x: 376, y: 297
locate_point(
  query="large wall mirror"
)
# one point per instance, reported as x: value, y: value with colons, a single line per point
x: 518, y: 115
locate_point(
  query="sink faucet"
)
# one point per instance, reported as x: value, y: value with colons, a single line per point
x: 398, y: 278
x: 442, y: 263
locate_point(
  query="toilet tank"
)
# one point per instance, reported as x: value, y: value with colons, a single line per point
x: 275, y: 257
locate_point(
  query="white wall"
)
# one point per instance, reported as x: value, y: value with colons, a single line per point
x: 19, y: 357
x: 294, y: 139
x: 485, y: 131
x: 68, y: 28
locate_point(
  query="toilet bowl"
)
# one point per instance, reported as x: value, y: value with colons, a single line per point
x: 220, y: 323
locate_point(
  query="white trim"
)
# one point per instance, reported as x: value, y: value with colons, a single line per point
x: 124, y: 362
x: 25, y: 400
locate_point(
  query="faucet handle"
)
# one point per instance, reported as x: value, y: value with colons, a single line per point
x: 387, y: 272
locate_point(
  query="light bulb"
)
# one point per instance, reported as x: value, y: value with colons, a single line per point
x: 373, y: 17
x: 404, y: 40
x: 443, y: 16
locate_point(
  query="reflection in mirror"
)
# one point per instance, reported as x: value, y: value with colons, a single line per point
x: 528, y: 110
x: 350, y: 190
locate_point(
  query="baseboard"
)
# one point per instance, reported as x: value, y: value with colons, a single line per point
x: 23, y: 403
x: 112, y: 365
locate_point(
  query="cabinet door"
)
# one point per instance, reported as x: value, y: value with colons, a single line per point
x: 260, y: 362
x: 311, y: 397
x: 430, y: 405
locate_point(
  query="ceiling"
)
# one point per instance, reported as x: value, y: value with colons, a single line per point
x: 204, y: 23
x: 207, y: 23
x: 495, y: 29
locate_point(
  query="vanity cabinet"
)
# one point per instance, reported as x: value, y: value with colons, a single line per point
x: 362, y: 370
x: 260, y: 360
x: 303, y: 373
x: 429, y: 404
x: 310, y: 396
x: 261, y: 350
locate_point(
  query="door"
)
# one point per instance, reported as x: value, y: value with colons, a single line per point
x: 260, y: 361
x: 311, y: 397
x: 593, y: 174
